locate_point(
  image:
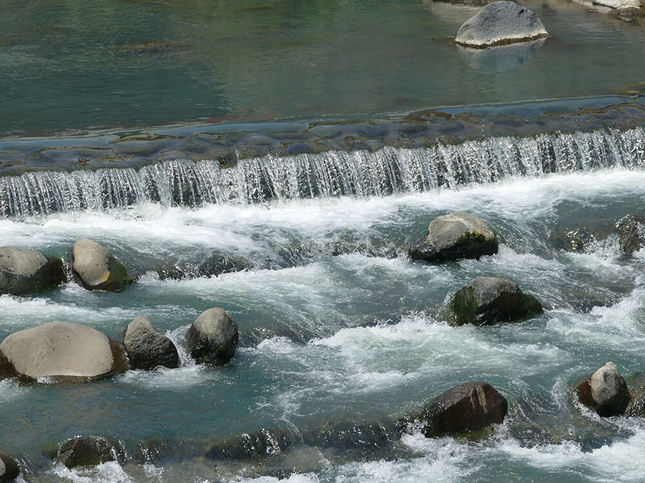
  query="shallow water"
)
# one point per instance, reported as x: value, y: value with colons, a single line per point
x: 277, y: 158
x: 79, y: 65
x: 349, y: 334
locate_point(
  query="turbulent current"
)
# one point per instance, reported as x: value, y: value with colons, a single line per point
x: 341, y: 333
x: 332, y: 173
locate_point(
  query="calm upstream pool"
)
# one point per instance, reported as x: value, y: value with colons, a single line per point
x: 70, y: 65
x: 309, y: 144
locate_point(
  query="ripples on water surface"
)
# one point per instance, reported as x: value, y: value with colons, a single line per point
x: 84, y: 64
x: 337, y: 324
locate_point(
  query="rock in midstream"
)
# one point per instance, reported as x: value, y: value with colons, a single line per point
x: 489, y: 300
x: 501, y: 23
x: 23, y: 271
x: 96, y: 269
x: 212, y: 339
x: 9, y: 469
x: 146, y: 348
x: 454, y: 236
x: 471, y: 406
x: 89, y: 451
x: 605, y: 391
x: 61, y: 351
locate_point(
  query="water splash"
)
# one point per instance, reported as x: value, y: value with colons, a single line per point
x: 333, y: 173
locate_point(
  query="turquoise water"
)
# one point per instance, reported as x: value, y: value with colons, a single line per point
x: 345, y: 337
x: 324, y: 147
x: 69, y: 65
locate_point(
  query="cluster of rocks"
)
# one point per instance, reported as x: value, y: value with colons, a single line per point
x: 68, y: 352
x: 24, y: 271
x: 487, y: 300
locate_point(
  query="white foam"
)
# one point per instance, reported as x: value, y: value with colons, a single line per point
x: 110, y: 472
x: 161, y: 230
x: 618, y: 461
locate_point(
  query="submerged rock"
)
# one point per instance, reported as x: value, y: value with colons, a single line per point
x: 471, y: 406
x: 89, y: 451
x: 95, y: 268
x: 62, y: 351
x: 9, y: 469
x: 637, y: 390
x: 454, y: 236
x: 500, y: 23
x: 631, y: 231
x: 213, y: 337
x: 24, y: 271
x: 146, y: 348
x: 578, y: 240
x: 605, y: 391
x: 265, y: 442
x: 347, y: 435
x: 489, y: 300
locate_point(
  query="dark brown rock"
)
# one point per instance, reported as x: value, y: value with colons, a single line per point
x: 89, y: 451
x: 9, y: 469
x: 471, y: 406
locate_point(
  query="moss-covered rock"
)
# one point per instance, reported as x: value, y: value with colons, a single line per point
x: 454, y: 236
x: 489, y: 300
x: 631, y: 232
x: 96, y: 269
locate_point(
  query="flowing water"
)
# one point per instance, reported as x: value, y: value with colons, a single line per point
x: 156, y: 129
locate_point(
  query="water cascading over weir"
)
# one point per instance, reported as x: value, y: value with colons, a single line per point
x: 332, y: 173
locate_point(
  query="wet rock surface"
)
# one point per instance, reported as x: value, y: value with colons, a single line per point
x: 489, y: 300
x: 9, y: 469
x: 147, y: 348
x: 96, y: 268
x: 454, y: 236
x: 23, y: 271
x: 471, y: 406
x: 89, y: 451
x: 212, y: 339
x: 605, y: 391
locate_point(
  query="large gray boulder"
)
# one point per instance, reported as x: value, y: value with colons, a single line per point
x: 9, y: 469
x: 24, y: 271
x: 605, y: 391
x: 62, y: 351
x: 454, y: 236
x: 95, y: 268
x: 489, y: 300
x: 500, y: 23
x: 146, y: 348
x: 212, y: 338
x: 89, y: 451
x: 471, y: 406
